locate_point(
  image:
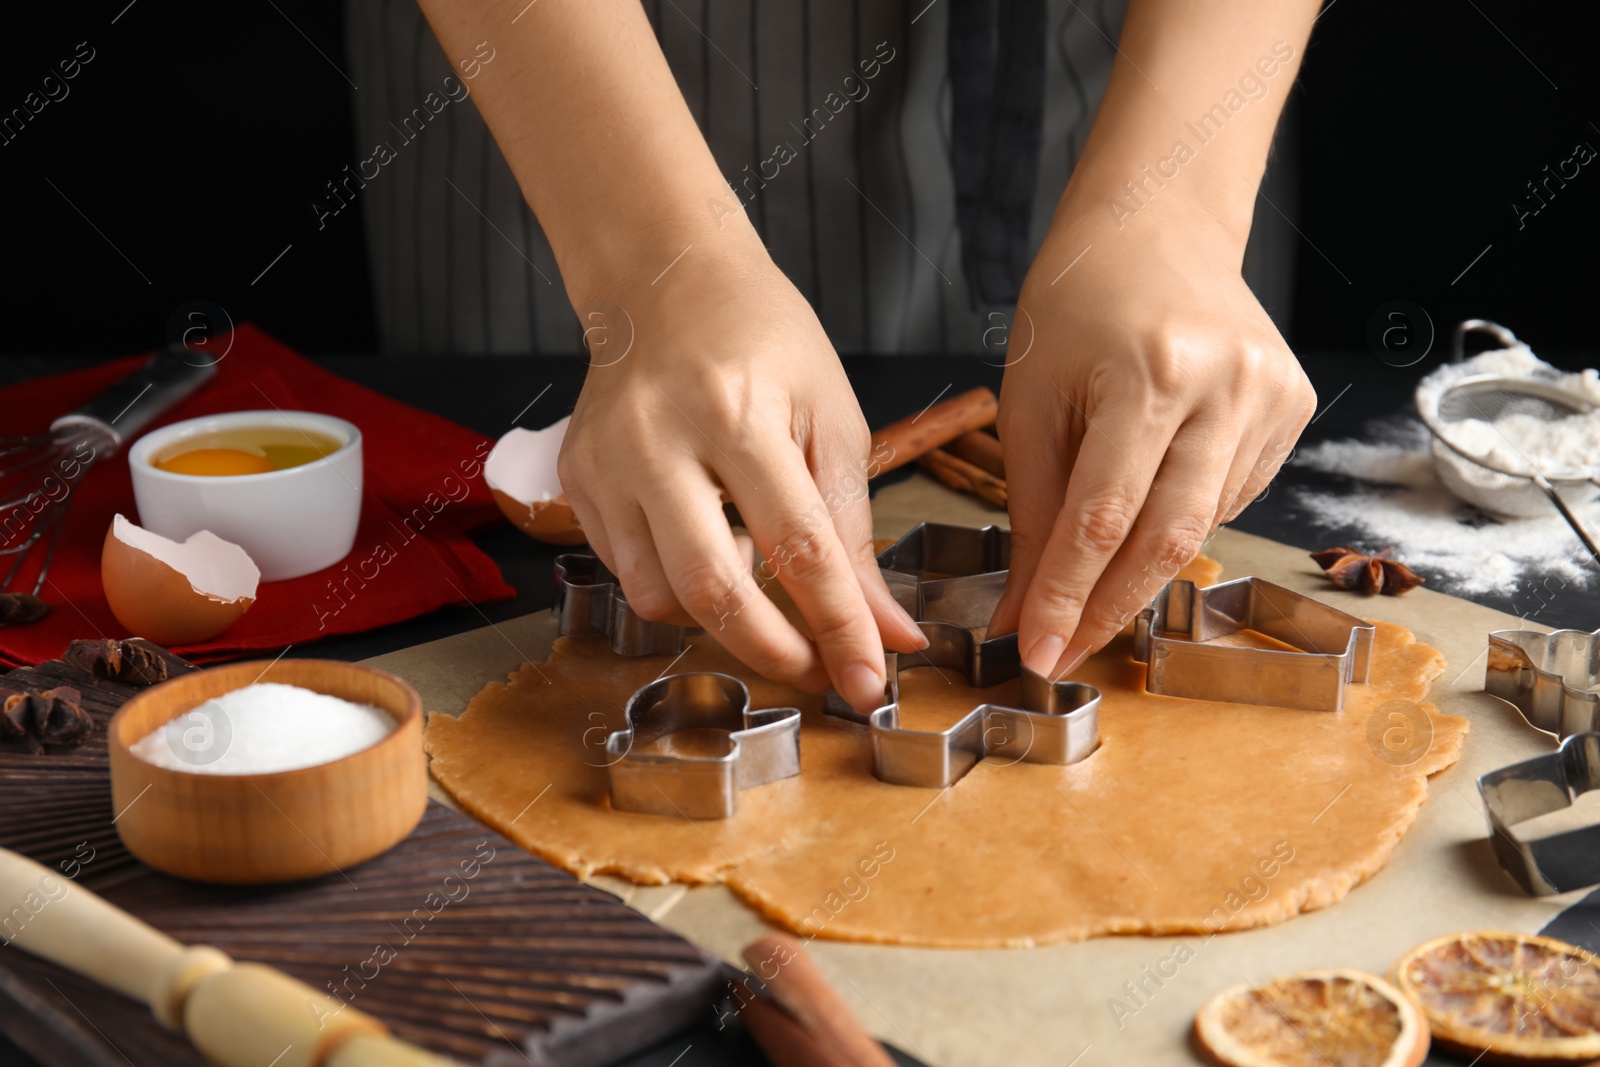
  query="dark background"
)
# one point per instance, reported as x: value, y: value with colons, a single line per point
x: 196, y: 136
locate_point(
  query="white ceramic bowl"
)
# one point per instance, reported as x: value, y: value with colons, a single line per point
x: 292, y: 521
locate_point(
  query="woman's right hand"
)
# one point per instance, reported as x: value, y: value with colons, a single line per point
x: 715, y: 383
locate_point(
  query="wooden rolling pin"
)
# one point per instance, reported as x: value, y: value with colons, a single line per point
x: 902, y: 442
x: 807, y: 1023
x: 237, y: 1015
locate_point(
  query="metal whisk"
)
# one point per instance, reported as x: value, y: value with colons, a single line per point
x: 1519, y: 487
x: 39, y: 472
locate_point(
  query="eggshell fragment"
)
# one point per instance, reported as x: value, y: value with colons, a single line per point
x: 175, y: 593
x: 521, y: 472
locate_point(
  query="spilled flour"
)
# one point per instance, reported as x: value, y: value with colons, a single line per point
x: 1397, y: 498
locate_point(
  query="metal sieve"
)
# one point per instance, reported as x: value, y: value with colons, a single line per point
x: 1521, y: 489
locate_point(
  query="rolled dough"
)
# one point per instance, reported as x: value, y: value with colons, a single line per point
x: 1191, y: 817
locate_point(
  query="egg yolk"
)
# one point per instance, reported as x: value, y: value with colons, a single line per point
x: 216, y: 462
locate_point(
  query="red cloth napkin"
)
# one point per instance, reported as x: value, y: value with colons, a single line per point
x: 417, y: 465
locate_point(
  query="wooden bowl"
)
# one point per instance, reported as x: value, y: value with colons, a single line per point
x: 245, y: 829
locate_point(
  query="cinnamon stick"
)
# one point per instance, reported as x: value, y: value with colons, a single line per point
x: 964, y: 477
x: 981, y: 449
x: 800, y: 987
x: 902, y: 442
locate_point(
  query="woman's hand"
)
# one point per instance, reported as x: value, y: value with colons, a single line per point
x: 1155, y: 401
x: 730, y: 391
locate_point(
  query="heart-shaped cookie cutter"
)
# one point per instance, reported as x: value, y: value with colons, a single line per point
x: 1550, y: 678
x: 589, y: 603
x: 1560, y: 862
x: 760, y: 747
x: 1330, y: 648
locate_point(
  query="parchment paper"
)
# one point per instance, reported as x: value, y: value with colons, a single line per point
x: 1123, y: 999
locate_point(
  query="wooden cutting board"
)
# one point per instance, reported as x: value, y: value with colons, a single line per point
x: 456, y: 938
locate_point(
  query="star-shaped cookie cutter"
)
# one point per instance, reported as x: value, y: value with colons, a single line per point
x: 1550, y: 678
x: 1330, y: 648
x: 954, y: 575
x: 589, y: 603
x: 944, y: 573
x: 1559, y: 862
x: 949, y: 578
x: 760, y: 747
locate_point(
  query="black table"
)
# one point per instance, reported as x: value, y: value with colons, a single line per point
x: 491, y: 394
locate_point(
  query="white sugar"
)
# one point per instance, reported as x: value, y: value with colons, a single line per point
x: 264, y: 728
x: 1398, y: 499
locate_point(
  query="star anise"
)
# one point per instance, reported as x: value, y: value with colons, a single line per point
x: 125, y: 661
x: 54, y: 717
x: 19, y: 609
x: 1370, y: 574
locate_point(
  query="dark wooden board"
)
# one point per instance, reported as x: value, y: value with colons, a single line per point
x: 457, y: 938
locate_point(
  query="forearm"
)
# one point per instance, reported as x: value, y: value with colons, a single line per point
x: 581, y: 102
x: 1189, y: 114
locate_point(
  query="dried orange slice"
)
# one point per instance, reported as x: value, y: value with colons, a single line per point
x: 1313, y: 1019
x: 1515, y: 996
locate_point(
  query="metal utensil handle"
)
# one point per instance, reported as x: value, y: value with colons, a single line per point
x: 1572, y: 519
x: 127, y: 406
x: 1500, y: 333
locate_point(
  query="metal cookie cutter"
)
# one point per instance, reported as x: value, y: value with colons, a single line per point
x: 589, y: 603
x: 1549, y: 677
x: 949, y: 578
x: 1512, y: 795
x: 1331, y: 647
x: 1059, y: 723
x: 953, y: 574
x: 761, y: 747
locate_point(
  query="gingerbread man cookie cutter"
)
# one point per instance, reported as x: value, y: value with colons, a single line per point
x: 1550, y: 678
x: 652, y: 776
x: 589, y: 603
x: 1546, y: 864
x: 949, y: 578
x: 1330, y: 648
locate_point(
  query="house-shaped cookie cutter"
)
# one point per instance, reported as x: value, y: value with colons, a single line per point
x: 760, y: 747
x: 1330, y: 648
x: 1550, y: 678
x: 1512, y: 795
x: 949, y: 578
x: 589, y: 603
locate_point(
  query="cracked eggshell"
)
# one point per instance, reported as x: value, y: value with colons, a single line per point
x: 521, y: 472
x: 171, y: 592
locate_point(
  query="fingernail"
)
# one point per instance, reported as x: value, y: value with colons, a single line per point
x: 1075, y: 657
x: 1041, y: 658
x: 910, y: 627
x: 861, y: 686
